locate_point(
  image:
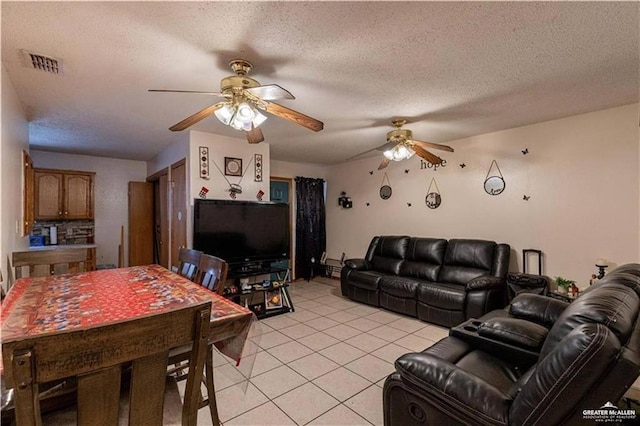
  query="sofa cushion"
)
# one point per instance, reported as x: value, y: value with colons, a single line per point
x: 398, y: 286
x: 465, y: 260
x: 442, y: 295
x: 424, y: 258
x: 367, y: 280
x: 389, y: 254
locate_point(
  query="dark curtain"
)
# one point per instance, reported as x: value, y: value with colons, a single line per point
x: 311, y: 234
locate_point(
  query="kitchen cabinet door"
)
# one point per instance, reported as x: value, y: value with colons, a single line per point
x: 78, y: 196
x: 48, y: 195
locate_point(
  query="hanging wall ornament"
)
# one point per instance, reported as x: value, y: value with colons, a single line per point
x: 433, y: 198
x: 494, y: 182
x: 385, y: 190
x: 234, y: 188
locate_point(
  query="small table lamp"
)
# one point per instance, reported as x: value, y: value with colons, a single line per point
x: 602, y: 265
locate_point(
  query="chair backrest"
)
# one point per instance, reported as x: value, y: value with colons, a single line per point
x: 591, y: 355
x: 188, y: 260
x: 96, y: 355
x: 42, y: 263
x: 212, y: 273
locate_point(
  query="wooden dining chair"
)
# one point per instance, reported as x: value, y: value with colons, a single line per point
x: 97, y: 355
x: 212, y: 273
x: 42, y: 263
x: 188, y: 260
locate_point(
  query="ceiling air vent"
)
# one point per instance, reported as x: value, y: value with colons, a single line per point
x: 44, y: 63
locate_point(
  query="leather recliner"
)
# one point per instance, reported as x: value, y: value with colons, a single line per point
x: 586, y: 354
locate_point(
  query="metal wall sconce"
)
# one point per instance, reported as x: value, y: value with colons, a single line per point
x: 602, y: 265
x: 344, y: 201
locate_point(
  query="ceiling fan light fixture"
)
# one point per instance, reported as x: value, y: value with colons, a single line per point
x: 244, y: 113
x: 399, y: 153
x: 225, y: 114
x: 242, y: 116
x: 388, y: 154
x: 259, y: 118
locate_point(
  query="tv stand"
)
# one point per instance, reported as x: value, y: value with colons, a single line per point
x: 253, y: 268
x: 264, y: 301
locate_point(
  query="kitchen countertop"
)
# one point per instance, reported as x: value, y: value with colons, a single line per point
x: 63, y: 246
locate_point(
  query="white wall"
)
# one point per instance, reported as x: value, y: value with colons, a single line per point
x: 219, y: 148
x: 171, y: 154
x: 111, y: 188
x: 15, y: 139
x: 581, y: 174
x: 291, y: 170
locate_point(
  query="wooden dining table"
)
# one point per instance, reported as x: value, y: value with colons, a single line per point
x: 57, y: 303
x: 67, y: 302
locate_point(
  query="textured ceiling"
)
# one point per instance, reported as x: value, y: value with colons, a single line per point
x: 453, y: 69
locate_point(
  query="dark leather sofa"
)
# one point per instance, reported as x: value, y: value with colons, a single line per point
x: 586, y: 354
x: 439, y: 281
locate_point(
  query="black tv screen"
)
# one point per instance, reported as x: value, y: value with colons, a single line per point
x: 241, y: 231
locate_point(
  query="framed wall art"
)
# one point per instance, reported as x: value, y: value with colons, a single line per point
x: 232, y: 166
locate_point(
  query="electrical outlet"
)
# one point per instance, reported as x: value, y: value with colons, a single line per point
x: 17, y: 227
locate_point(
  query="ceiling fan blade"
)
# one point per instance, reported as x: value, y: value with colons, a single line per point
x: 386, y: 146
x: 433, y: 159
x: 254, y: 136
x: 385, y: 163
x: 295, y: 116
x: 362, y: 153
x: 188, y: 91
x: 433, y: 145
x: 193, y: 119
x: 270, y: 92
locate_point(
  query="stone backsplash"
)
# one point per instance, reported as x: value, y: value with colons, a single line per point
x: 69, y: 231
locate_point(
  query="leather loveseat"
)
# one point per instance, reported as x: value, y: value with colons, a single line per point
x: 439, y: 281
x: 587, y: 354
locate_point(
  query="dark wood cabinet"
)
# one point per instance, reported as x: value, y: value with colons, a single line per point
x: 63, y: 194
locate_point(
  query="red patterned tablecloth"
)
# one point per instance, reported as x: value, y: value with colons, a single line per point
x: 65, y: 302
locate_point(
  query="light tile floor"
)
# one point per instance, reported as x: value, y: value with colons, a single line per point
x: 324, y: 364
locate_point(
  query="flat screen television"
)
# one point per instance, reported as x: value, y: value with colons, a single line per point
x: 241, y: 231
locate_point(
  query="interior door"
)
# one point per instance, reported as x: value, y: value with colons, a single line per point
x: 140, y: 223
x: 28, y: 208
x: 178, y: 210
x: 161, y: 220
x: 280, y: 191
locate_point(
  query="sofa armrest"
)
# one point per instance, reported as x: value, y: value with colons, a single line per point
x: 536, y: 308
x: 453, y: 387
x: 357, y: 264
x: 514, y: 331
x: 486, y: 282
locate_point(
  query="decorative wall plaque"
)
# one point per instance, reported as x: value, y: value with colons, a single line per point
x: 204, y: 162
x: 258, y: 168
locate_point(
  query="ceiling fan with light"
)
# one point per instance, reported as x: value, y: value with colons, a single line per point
x: 401, y: 146
x: 244, y: 98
